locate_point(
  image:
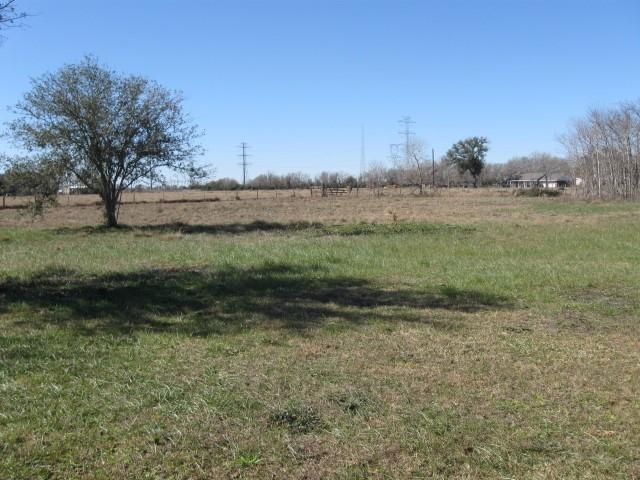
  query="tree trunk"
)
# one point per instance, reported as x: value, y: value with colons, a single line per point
x: 110, y: 203
x: 110, y: 217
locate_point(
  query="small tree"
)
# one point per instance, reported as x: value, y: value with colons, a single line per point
x: 376, y: 177
x: 417, y: 167
x: 469, y: 156
x: 107, y: 130
x: 35, y: 177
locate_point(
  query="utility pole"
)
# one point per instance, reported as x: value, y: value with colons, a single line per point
x: 244, y: 163
x: 433, y: 168
x: 406, y: 123
x: 363, y: 159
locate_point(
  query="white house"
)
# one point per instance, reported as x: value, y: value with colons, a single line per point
x: 540, y: 180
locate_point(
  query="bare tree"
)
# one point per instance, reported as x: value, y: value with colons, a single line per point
x: 418, y: 161
x: 413, y: 167
x: 108, y: 130
x: 605, y: 146
x: 536, y: 162
x: 540, y: 162
x: 297, y: 180
x: 376, y: 177
x: 332, y: 179
x: 10, y: 16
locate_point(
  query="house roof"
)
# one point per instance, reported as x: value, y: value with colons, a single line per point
x: 531, y: 177
x: 559, y: 177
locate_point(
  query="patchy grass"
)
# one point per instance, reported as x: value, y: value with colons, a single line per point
x: 298, y: 419
x: 588, y: 208
x: 373, y: 228
x: 295, y: 349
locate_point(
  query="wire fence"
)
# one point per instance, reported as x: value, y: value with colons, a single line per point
x: 182, y: 195
x: 195, y: 196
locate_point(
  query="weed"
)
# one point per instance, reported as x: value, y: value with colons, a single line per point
x: 298, y: 418
x: 247, y: 460
x: 354, y: 403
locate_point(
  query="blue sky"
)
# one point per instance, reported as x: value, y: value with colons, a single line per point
x: 298, y: 79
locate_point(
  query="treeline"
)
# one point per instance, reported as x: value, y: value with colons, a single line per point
x: 272, y: 181
x: 446, y: 175
x: 605, y: 146
x: 28, y: 177
x: 23, y: 179
x: 379, y: 175
x: 536, y: 162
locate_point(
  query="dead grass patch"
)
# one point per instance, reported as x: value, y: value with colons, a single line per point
x: 463, y: 206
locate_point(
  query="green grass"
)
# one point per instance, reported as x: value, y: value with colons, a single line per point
x: 587, y: 208
x: 407, y: 350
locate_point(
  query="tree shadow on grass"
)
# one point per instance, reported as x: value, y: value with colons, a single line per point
x: 215, y: 301
x: 349, y: 229
x: 211, y: 229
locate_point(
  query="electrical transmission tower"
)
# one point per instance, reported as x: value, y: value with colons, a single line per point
x: 394, y: 153
x: 406, y: 123
x: 244, y: 164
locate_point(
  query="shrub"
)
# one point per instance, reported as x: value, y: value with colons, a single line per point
x: 537, y: 192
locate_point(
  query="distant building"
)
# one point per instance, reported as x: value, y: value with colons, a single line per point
x: 73, y: 189
x: 539, y: 180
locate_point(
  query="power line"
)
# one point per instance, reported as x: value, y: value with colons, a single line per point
x: 406, y: 122
x: 394, y: 153
x: 244, y: 164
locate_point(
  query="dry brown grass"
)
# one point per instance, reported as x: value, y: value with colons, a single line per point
x: 450, y: 206
x: 200, y: 195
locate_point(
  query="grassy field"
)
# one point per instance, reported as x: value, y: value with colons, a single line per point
x: 465, y: 335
